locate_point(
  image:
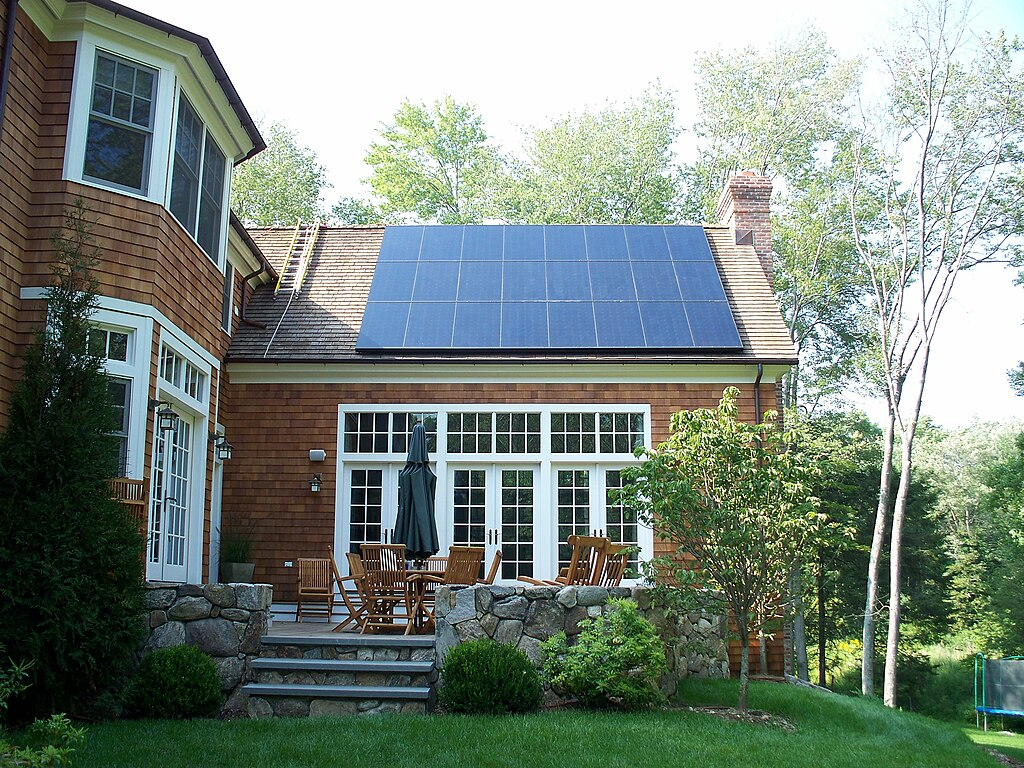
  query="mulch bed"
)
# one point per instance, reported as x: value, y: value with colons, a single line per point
x: 1009, y: 762
x: 753, y: 717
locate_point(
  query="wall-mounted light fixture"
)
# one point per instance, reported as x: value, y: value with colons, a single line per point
x: 315, y: 483
x: 317, y: 454
x: 165, y: 415
x: 221, y: 446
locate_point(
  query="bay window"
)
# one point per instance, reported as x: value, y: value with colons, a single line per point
x: 197, y: 180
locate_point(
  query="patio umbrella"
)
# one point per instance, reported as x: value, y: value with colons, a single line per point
x: 416, y: 526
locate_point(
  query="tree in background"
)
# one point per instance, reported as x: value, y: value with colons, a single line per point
x: 353, y: 210
x: 948, y: 137
x: 736, y: 497
x: 282, y: 185
x: 70, y: 556
x: 434, y: 164
x: 614, y: 166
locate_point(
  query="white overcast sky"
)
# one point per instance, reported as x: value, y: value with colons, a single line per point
x: 335, y: 71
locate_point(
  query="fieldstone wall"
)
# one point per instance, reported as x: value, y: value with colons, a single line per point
x: 524, y: 616
x: 225, y: 621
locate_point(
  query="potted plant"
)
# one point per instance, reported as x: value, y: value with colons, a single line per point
x: 235, y: 565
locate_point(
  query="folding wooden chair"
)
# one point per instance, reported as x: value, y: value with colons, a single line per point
x: 588, y: 553
x: 356, y: 613
x: 386, y: 586
x: 463, y: 567
x: 493, y: 572
x: 315, y: 585
x: 615, y: 560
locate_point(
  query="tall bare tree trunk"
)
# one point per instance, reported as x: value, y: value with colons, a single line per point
x: 796, y: 588
x: 895, y: 562
x: 867, y: 685
x: 741, y: 625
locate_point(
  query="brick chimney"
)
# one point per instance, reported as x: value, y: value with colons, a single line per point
x: 744, y: 206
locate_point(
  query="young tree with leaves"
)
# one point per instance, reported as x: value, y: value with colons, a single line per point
x: 70, y: 555
x: 280, y: 186
x: 948, y: 144
x: 736, y: 498
x: 434, y: 164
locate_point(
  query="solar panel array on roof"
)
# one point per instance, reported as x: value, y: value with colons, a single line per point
x: 546, y: 288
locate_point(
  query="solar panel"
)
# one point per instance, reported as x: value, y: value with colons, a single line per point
x: 492, y: 288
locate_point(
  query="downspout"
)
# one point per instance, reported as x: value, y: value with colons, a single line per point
x: 245, y: 286
x: 5, y: 60
x: 757, y: 393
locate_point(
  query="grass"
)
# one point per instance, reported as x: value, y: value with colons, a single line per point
x: 1010, y: 744
x: 831, y: 731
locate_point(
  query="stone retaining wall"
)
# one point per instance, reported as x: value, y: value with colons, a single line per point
x: 524, y: 616
x: 226, y: 621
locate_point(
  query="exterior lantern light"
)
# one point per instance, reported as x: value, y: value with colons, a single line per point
x: 222, y: 447
x: 165, y: 415
x: 315, y: 483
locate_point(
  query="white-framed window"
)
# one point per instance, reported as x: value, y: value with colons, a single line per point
x: 182, y: 374
x: 198, y: 180
x: 383, y: 432
x: 119, y: 138
x: 120, y: 390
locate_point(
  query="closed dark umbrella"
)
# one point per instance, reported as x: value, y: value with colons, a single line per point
x: 416, y: 526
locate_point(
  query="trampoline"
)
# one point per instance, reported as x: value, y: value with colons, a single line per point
x: 998, y: 687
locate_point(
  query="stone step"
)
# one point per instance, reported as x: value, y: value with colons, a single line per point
x: 362, y: 692
x: 355, y: 641
x: 344, y: 665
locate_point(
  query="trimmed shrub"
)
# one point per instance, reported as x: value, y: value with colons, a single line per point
x: 483, y: 677
x: 616, y: 660
x: 175, y: 683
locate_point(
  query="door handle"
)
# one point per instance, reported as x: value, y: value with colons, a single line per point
x: 489, y: 536
x: 497, y: 535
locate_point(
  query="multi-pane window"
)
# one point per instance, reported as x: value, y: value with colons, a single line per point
x: 108, y: 344
x: 516, y: 523
x: 366, y: 502
x: 120, y: 133
x: 120, y: 391
x: 620, y: 522
x: 620, y: 432
x: 197, y: 179
x: 596, y: 432
x: 385, y: 432
x: 517, y: 432
x: 470, y: 432
x: 176, y: 370
x: 469, y: 506
x: 573, y: 510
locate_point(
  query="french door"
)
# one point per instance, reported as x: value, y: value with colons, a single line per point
x: 371, y: 498
x: 172, y: 492
x: 585, y: 506
x: 494, y: 506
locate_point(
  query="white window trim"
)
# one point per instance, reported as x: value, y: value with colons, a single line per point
x: 547, y: 464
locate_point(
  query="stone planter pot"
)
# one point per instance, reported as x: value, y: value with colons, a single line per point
x: 236, y: 573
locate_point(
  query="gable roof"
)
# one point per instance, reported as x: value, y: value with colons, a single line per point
x: 321, y: 323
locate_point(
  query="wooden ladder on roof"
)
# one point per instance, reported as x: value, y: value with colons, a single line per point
x: 296, y: 263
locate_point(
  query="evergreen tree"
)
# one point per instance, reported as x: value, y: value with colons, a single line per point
x: 70, y: 565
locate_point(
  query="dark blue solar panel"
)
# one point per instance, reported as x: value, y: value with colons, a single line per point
x: 430, y: 325
x: 438, y: 281
x: 665, y: 324
x: 612, y: 280
x: 383, y: 325
x: 655, y: 281
x: 711, y: 324
x: 618, y: 324
x: 441, y: 244
x: 524, y: 243
x: 565, y: 244
x: 477, y: 325
x: 546, y: 287
x: 401, y: 244
x: 699, y: 281
x: 524, y: 324
x: 606, y: 243
x: 483, y: 243
x: 647, y: 243
x: 688, y: 244
x: 524, y: 281
x: 480, y: 281
x: 571, y: 325
x: 568, y: 281
x: 395, y: 280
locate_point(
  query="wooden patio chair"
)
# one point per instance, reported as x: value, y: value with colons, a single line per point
x: 492, y: 574
x: 386, y: 586
x: 356, y: 612
x: 616, y: 558
x: 588, y: 554
x: 316, y: 586
x: 463, y: 567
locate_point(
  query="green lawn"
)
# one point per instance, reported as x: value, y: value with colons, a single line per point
x: 1010, y: 744
x: 831, y: 731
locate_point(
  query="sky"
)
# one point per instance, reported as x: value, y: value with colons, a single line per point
x: 335, y: 72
